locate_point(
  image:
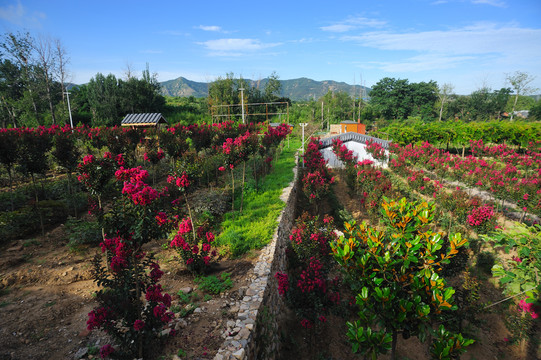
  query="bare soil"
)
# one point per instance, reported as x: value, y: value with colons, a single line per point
x: 46, y: 295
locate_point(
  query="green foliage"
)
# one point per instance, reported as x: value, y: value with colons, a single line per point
x: 214, y: 285
x: 519, y: 274
x: 447, y: 346
x: 82, y: 232
x: 395, y: 272
x: 399, y: 99
x: 254, y: 227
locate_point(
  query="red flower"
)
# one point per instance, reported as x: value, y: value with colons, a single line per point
x: 138, y: 325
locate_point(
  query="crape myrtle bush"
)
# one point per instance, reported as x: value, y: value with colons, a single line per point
x: 135, y: 324
x: 307, y: 289
x: 507, y: 174
x: 317, y: 177
x: 347, y: 157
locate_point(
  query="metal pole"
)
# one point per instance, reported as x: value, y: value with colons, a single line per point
x: 303, y: 125
x: 69, y: 107
x: 242, y: 102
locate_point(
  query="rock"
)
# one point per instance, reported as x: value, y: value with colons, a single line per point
x: 15, y: 248
x: 80, y: 353
x: 84, y: 333
x: 165, y: 332
x: 198, y: 310
x: 186, y: 290
x: 239, y: 354
x: 181, y: 324
x: 176, y: 357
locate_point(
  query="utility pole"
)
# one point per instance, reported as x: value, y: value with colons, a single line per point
x: 242, y: 102
x: 303, y: 125
x: 322, y: 114
x: 69, y: 107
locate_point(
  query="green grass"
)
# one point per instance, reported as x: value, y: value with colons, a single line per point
x: 254, y: 227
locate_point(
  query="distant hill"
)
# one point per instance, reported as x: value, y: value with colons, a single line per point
x: 295, y: 89
x: 183, y: 87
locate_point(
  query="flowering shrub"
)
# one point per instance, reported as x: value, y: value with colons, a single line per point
x: 482, y: 219
x: 343, y: 153
x: 135, y: 219
x: 311, y: 237
x: 316, y: 186
x: 274, y: 136
x: 376, y: 150
x: 308, y: 292
x: 135, y: 327
x: 313, y: 160
x: 372, y: 185
x: 196, y: 251
x: 154, y: 157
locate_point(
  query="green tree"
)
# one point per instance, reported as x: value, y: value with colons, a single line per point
x: 272, y: 87
x: 396, y: 273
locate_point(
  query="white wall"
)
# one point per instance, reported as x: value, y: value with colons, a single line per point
x: 359, y: 152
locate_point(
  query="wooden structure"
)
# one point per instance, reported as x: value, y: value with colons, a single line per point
x: 352, y: 126
x: 144, y: 120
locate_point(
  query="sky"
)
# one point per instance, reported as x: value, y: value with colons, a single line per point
x: 469, y: 44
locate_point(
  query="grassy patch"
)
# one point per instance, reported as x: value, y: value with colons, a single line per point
x: 254, y: 227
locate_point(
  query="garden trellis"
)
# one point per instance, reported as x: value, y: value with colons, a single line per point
x: 227, y: 111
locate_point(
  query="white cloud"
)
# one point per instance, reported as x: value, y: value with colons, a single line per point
x: 497, y: 3
x: 235, y: 47
x: 17, y: 14
x: 353, y: 23
x: 482, y: 38
x: 424, y: 63
x: 209, y: 28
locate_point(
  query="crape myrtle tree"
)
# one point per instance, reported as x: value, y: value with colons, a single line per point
x: 396, y: 274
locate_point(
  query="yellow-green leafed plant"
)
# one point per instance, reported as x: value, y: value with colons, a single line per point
x: 396, y: 275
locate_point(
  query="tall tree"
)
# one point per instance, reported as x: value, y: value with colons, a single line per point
x: 62, y: 60
x: 273, y: 87
x: 520, y: 82
x: 47, y: 64
x: 444, y: 91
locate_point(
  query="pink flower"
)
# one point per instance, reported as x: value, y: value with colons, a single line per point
x: 221, y: 168
x: 106, y: 350
x: 138, y: 325
x: 322, y: 318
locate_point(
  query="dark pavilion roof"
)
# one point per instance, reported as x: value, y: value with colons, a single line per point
x: 146, y: 119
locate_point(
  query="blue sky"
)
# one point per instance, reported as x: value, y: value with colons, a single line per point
x: 467, y: 43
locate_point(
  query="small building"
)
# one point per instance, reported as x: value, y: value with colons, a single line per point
x: 352, y: 126
x: 144, y: 120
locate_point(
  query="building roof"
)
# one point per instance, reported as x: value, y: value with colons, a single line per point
x: 348, y: 122
x: 353, y: 136
x: 146, y: 119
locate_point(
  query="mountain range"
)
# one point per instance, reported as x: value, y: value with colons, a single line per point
x: 295, y: 89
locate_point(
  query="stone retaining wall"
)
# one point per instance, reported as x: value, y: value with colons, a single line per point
x: 255, y: 335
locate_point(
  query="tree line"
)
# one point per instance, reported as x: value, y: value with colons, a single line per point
x: 392, y: 99
x: 34, y: 82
